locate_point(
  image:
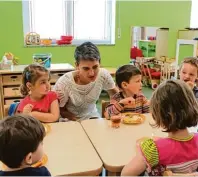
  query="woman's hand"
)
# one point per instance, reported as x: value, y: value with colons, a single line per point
x: 67, y: 114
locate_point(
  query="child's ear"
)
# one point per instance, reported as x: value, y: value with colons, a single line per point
x: 28, y: 159
x: 124, y: 85
x: 29, y: 85
x: 76, y: 66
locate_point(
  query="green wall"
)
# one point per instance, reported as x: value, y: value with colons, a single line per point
x: 185, y: 51
x: 175, y: 15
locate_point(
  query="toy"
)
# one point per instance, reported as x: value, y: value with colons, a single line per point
x: 150, y: 72
x: 148, y: 47
x: 8, y: 60
x: 32, y: 39
x: 155, y: 71
x: 43, y: 59
x: 135, y: 52
x: 65, y: 40
x: 167, y: 71
x: 9, y: 57
x: 46, y: 41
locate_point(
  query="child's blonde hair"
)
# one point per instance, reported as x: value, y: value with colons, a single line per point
x: 174, y: 106
x: 190, y: 60
x: 31, y: 74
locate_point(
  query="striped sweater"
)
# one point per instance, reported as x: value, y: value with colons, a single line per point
x: 141, y: 105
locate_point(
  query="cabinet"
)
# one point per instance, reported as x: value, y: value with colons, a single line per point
x: 187, y: 50
x: 162, y: 36
x: 148, y: 48
x: 187, y: 34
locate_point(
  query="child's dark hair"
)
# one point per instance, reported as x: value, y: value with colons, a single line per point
x: 87, y: 51
x: 19, y: 135
x: 31, y: 74
x: 190, y: 60
x: 174, y: 106
x: 125, y: 73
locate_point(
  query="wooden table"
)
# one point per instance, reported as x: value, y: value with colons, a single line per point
x: 70, y: 152
x: 116, y: 147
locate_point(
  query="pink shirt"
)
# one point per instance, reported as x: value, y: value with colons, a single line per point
x: 41, y: 105
x: 177, y: 155
x: 178, y: 152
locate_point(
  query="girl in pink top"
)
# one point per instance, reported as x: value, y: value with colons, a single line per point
x: 174, y: 108
x: 39, y: 101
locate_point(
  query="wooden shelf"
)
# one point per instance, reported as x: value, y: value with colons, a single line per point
x: 10, y: 97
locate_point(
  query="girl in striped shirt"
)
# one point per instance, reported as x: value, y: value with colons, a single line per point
x: 129, y: 99
x: 174, y: 108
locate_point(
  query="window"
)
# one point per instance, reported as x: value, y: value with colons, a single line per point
x: 194, y: 14
x: 86, y: 20
x: 136, y: 31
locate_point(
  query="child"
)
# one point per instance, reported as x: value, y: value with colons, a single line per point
x: 172, y: 110
x: 39, y: 102
x: 130, y: 99
x: 21, y: 139
x: 189, y: 73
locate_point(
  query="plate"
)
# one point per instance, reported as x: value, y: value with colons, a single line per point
x: 47, y: 128
x: 133, y: 118
x: 41, y: 162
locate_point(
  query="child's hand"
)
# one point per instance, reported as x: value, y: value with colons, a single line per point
x: 74, y: 119
x: 128, y: 101
x: 190, y: 84
x: 27, y: 109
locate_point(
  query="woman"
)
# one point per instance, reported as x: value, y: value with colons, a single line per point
x: 79, y: 90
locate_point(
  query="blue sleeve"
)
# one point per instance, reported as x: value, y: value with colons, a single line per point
x: 45, y: 171
x: 195, y: 91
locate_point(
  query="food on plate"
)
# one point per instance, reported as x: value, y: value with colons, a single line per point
x: 133, y: 118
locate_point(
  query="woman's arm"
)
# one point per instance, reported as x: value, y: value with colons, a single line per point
x: 52, y: 116
x: 112, y: 91
x: 108, y: 83
x: 63, y: 97
x: 67, y: 114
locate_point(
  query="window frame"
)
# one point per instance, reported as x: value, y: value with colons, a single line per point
x: 193, y: 8
x: 68, y: 23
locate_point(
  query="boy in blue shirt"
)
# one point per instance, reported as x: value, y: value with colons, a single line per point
x: 21, y: 145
